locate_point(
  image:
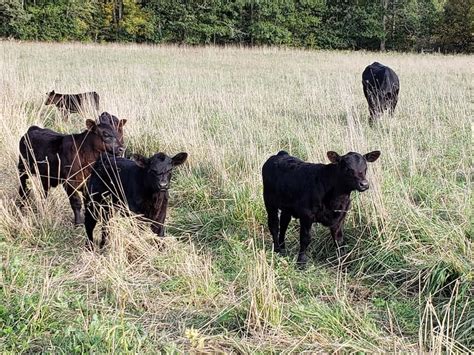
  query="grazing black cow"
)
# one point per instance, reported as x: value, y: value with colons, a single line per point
x: 72, y: 103
x: 381, y: 87
x: 64, y: 158
x: 141, y: 184
x: 311, y: 192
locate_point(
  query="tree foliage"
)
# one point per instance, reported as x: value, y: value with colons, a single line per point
x: 13, y: 19
x: 340, y: 24
x: 458, y: 26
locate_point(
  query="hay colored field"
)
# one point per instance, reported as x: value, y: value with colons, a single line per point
x: 213, y: 283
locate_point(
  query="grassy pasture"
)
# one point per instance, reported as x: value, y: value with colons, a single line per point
x: 213, y: 285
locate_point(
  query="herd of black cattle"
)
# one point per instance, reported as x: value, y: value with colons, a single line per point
x: 91, y: 162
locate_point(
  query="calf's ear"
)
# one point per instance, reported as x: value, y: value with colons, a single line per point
x: 140, y: 160
x: 372, y: 156
x: 122, y: 123
x: 333, y: 157
x: 179, y: 159
x: 91, y: 125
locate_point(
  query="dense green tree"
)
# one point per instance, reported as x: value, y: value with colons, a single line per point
x: 340, y: 24
x: 306, y: 23
x: 13, y: 19
x: 457, y: 28
x: 196, y: 22
x: 60, y: 20
x: 268, y: 22
x: 125, y: 20
x: 352, y: 24
x: 413, y: 24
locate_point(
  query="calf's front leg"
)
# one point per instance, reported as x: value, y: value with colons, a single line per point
x: 158, y: 225
x: 90, y: 222
x: 75, y: 202
x: 336, y: 233
x: 64, y: 114
x: 105, y: 216
x: 305, y: 238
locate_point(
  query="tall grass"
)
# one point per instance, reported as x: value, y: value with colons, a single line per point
x: 213, y: 284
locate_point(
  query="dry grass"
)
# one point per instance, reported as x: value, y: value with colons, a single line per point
x: 213, y: 284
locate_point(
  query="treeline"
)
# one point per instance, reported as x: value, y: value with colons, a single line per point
x: 405, y: 25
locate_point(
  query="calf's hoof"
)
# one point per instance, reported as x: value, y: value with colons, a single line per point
x: 20, y: 204
x: 158, y: 230
x: 281, y: 251
x: 89, y: 245
x: 302, y: 261
x: 341, y: 251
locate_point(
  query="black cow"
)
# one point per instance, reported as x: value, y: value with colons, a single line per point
x: 381, y: 87
x: 72, y: 103
x: 311, y: 192
x: 65, y: 158
x: 141, y: 184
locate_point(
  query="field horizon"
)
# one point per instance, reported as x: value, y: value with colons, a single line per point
x: 213, y: 283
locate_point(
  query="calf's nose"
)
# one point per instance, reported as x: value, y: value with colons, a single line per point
x: 121, y: 150
x: 364, y: 184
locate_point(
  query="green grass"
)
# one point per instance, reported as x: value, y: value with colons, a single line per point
x: 214, y: 285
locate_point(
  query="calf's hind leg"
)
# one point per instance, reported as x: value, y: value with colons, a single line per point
x: 393, y: 103
x: 23, y: 190
x: 285, y: 219
x: 273, y: 221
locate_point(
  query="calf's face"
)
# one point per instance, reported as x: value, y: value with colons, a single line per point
x: 105, y: 137
x: 353, y: 167
x: 159, y: 169
x: 112, y: 120
x: 50, y: 98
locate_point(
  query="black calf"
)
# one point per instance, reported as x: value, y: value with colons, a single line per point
x: 141, y: 185
x: 311, y: 192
